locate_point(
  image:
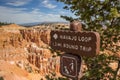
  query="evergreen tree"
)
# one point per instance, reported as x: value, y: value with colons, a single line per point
x: 4, y: 23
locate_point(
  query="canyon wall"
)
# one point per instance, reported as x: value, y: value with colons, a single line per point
x: 19, y: 45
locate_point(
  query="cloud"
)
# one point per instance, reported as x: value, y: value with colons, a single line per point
x: 18, y: 3
x: 47, y: 4
x: 19, y: 15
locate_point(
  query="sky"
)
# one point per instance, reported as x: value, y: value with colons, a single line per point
x: 30, y: 11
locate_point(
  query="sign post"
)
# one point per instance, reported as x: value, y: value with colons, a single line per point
x: 76, y: 44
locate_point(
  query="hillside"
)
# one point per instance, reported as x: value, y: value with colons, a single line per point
x: 20, y: 47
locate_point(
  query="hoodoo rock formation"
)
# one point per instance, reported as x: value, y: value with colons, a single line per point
x: 39, y: 37
x: 28, y: 49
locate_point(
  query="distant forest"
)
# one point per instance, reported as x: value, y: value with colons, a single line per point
x: 4, y: 23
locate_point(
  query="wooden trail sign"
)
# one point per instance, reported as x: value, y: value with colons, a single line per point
x: 80, y: 43
x: 70, y: 65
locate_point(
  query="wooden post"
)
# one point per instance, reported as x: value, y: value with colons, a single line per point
x: 76, y: 26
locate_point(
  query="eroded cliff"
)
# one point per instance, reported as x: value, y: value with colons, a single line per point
x: 28, y: 49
